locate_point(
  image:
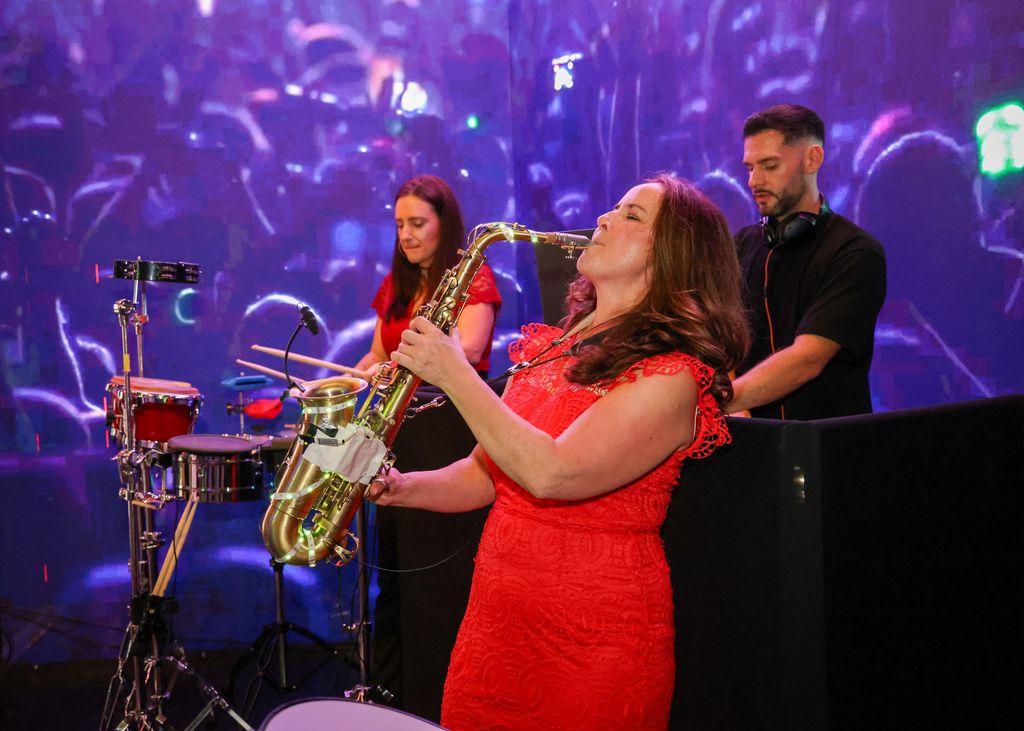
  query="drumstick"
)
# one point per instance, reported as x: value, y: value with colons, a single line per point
x: 299, y: 358
x: 171, y: 559
x: 184, y: 525
x: 267, y: 371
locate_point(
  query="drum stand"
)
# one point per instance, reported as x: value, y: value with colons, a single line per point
x: 273, y: 641
x: 363, y: 691
x: 148, y: 641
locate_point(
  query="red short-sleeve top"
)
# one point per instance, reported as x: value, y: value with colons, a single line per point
x: 484, y: 289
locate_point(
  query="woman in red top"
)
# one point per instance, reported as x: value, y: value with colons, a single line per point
x: 428, y: 234
x: 570, y: 616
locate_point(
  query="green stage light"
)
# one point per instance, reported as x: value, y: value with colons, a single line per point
x: 472, y: 121
x: 1000, y: 134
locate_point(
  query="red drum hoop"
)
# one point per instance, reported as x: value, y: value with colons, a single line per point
x: 160, y: 409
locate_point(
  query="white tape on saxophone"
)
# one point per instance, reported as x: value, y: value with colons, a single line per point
x: 340, y: 406
x: 355, y: 453
x: 298, y: 493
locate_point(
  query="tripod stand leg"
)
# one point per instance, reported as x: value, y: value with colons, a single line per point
x: 207, y: 711
x: 363, y: 588
x: 216, y: 699
x: 282, y: 640
x: 273, y: 642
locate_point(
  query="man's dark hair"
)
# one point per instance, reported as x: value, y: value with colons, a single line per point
x: 792, y: 120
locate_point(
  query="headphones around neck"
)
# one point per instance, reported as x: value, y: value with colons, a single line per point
x: 795, y: 229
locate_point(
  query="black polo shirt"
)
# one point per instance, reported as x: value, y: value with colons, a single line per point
x: 830, y: 284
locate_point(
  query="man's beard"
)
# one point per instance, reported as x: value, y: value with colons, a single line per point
x: 787, y: 200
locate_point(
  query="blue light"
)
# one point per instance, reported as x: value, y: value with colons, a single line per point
x: 563, y: 67
x: 108, y: 575
x: 414, y: 98
x: 100, y: 351
x: 287, y: 299
x: 259, y: 559
x: 179, y: 302
x: 1000, y: 136
x: 93, y: 410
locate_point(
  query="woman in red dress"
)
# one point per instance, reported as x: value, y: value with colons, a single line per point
x: 569, y: 623
x: 428, y: 233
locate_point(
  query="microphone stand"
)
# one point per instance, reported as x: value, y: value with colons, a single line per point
x: 363, y: 691
x: 289, y: 383
x: 273, y: 640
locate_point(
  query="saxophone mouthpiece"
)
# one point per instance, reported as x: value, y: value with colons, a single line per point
x: 571, y: 241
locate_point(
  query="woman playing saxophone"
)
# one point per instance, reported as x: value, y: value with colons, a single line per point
x: 569, y: 623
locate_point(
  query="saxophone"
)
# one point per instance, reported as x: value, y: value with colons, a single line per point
x: 324, y: 477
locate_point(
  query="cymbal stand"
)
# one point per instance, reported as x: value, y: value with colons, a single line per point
x: 148, y: 641
x: 142, y: 706
x: 140, y: 314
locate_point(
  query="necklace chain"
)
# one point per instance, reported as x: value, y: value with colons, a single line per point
x: 572, y: 350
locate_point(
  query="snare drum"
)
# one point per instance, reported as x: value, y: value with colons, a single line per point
x: 217, y: 468
x: 161, y: 409
x: 337, y: 714
x: 273, y: 454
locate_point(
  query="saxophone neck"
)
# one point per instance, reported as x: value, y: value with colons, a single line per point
x: 488, y: 233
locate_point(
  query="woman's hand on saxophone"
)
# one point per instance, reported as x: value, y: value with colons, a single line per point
x: 384, y: 489
x: 463, y: 485
x: 430, y: 354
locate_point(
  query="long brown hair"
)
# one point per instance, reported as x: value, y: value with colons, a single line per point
x: 405, y: 276
x: 694, y: 304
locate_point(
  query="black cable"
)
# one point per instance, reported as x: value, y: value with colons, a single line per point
x: 48, y: 620
x: 512, y: 370
x: 434, y: 565
x: 39, y: 618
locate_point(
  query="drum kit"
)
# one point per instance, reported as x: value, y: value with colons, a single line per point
x: 160, y: 461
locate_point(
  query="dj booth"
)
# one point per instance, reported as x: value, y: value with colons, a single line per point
x: 863, y: 572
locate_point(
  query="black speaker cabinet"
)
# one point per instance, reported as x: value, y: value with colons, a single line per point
x: 855, y: 573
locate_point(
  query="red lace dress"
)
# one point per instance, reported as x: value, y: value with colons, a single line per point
x: 484, y: 289
x: 569, y: 623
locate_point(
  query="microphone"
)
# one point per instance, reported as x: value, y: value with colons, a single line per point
x: 309, y: 319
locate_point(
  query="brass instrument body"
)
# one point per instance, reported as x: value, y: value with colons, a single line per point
x: 328, y: 401
x: 333, y: 499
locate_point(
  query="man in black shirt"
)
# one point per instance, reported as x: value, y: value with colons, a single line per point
x: 814, y: 281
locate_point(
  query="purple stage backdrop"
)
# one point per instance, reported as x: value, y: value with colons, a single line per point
x: 265, y: 140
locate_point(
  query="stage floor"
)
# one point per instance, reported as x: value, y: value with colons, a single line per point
x: 69, y: 696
